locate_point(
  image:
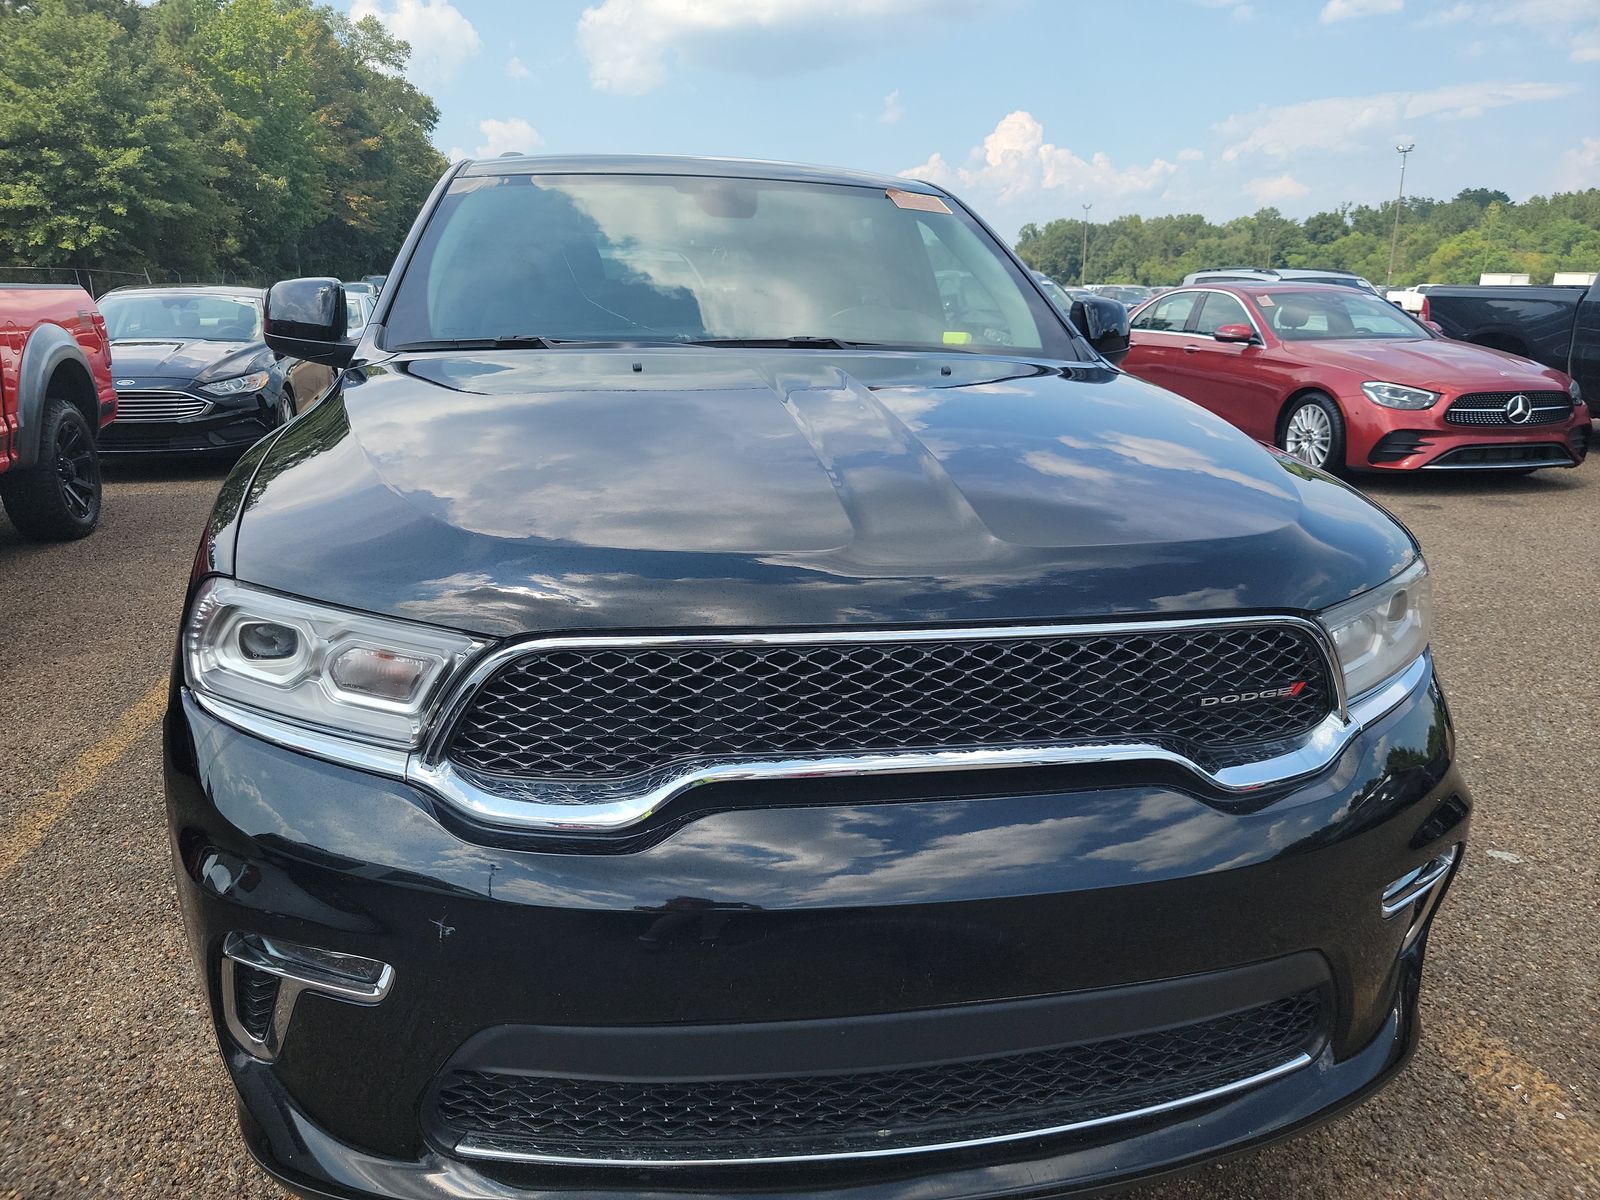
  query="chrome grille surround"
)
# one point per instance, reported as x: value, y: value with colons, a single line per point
x: 1489, y: 408
x: 156, y: 405
x: 608, y: 804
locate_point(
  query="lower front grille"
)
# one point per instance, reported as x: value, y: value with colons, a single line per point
x: 1518, y: 456
x: 903, y: 1110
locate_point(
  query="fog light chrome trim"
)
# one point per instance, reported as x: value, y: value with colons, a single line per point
x: 1419, y: 891
x: 366, y: 982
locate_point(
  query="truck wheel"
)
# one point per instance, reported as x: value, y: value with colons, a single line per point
x: 59, y: 499
x: 1313, y: 431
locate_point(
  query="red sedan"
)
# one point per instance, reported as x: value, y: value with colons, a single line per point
x: 1344, y: 380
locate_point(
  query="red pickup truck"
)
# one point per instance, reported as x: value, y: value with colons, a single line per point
x: 56, y: 395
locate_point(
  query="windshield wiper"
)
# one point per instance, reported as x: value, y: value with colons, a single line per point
x: 802, y: 341
x: 514, y: 341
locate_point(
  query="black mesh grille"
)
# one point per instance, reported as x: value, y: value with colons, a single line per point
x: 1489, y: 408
x: 902, y: 1108
x: 612, y: 712
x: 255, y: 996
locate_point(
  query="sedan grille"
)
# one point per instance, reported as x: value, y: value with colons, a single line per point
x: 158, y: 406
x: 873, y: 1112
x: 1494, y: 408
x: 1215, y: 694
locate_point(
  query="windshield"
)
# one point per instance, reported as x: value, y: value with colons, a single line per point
x: 1329, y: 315
x: 673, y: 258
x: 182, y: 316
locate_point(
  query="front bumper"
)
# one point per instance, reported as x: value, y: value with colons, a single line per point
x: 805, y: 908
x: 1442, y: 447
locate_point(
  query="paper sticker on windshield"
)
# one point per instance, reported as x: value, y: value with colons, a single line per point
x: 917, y: 201
x: 1264, y: 301
x: 956, y: 337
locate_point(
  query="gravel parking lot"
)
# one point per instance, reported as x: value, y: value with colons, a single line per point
x: 114, y: 1085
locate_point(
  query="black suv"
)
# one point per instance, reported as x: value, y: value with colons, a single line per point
x: 769, y: 708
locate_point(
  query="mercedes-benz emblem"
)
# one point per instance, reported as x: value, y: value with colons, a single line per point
x: 1519, y: 409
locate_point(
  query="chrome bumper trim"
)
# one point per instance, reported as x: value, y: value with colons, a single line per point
x: 540, y: 805
x: 255, y: 952
x: 492, y: 1149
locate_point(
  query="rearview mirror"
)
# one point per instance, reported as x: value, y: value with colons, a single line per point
x: 1234, y: 333
x: 1103, y: 322
x: 306, y: 318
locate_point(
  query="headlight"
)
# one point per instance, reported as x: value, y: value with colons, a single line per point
x: 1381, y: 632
x: 344, y: 673
x: 238, y: 385
x: 1575, y: 392
x: 1398, y: 395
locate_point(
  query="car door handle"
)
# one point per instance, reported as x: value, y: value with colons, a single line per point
x: 1189, y: 348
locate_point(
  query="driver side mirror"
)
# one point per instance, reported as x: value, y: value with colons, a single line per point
x: 1103, y: 322
x: 1234, y: 333
x: 1435, y: 326
x: 306, y: 318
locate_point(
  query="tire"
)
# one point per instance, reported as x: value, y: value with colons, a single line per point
x: 59, y: 499
x: 286, y: 409
x: 1312, y: 429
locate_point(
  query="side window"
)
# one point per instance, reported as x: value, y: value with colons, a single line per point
x: 1169, y: 314
x: 1220, y: 309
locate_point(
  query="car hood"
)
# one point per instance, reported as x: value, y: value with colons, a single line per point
x: 1439, y: 364
x: 508, y: 493
x: 151, y: 360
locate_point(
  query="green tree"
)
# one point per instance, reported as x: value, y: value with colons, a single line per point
x: 110, y: 143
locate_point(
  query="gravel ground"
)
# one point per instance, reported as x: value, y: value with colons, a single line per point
x: 116, y: 1089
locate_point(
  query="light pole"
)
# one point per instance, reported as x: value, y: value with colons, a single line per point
x: 1404, y: 148
x: 1083, y: 263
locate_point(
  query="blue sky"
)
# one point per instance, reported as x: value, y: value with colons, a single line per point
x: 1030, y: 108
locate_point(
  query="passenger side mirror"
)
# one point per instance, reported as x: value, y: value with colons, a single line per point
x: 1104, y: 324
x: 306, y: 318
x: 1435, y: 326
x: 1234, y: 333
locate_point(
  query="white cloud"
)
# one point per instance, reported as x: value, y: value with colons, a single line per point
x: 1580, y: 166
x: 630, y: 43
x: 1573, y: 24
x: 893, y: 110
x: 1270, y: 189
x: 513, y: 135
x: 1015, y: 163
x: 1348, y: 122
x: 1344, y: 10
x: 441, y: 39
x: 1191, y: 154
x: 515, y: 69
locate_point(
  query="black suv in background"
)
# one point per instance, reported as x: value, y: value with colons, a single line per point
x: 192, y: 372
x: 770, y: 709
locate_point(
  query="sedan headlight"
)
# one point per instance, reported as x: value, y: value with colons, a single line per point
x: 1398, y: 395
x: 1380, y: 633
x: 238, y: 385
x: 343, y: 673
x: 1575, y: 391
